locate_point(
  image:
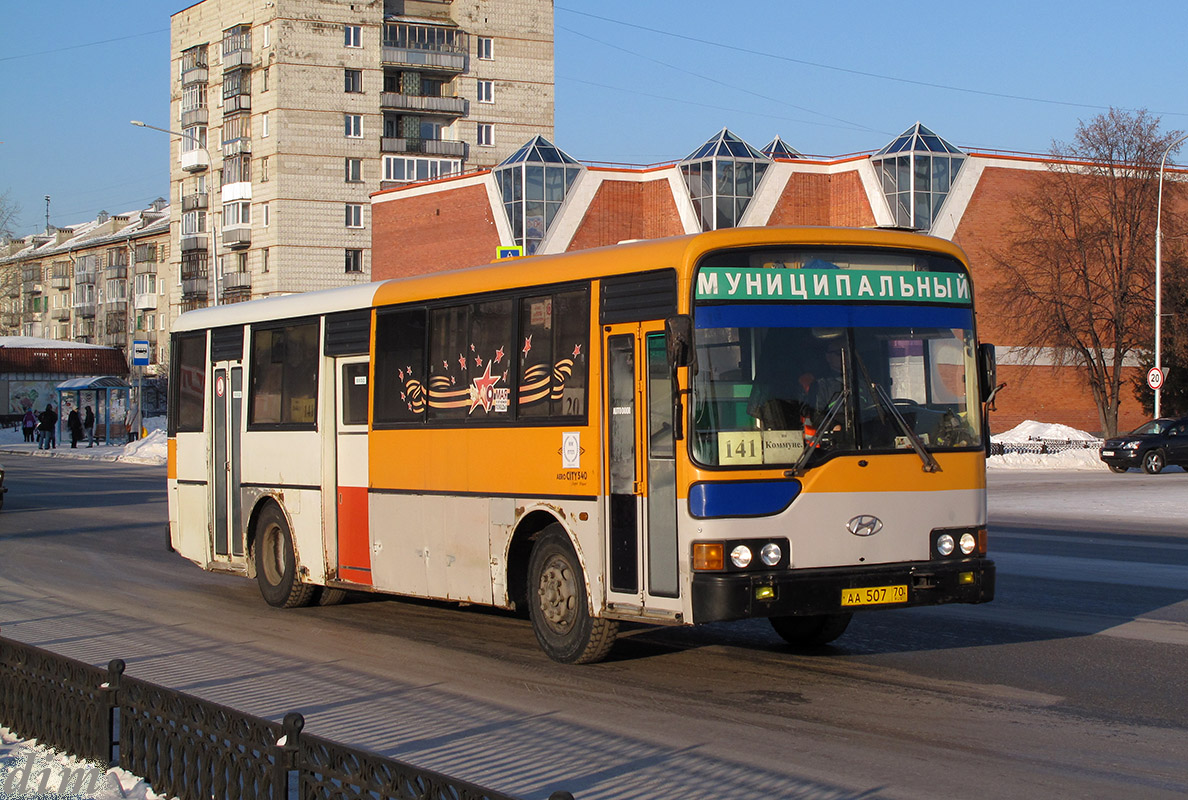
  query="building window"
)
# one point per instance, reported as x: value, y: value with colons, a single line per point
x: 264, y: 169
x: 264, y: 265
x: 354, y: 170
x: 353, y: 35
x: 486, y: 91
x: 237, y: 169
x: 354, y: 260
x: 533, y: 183
x: 354, y: 215
x: 722, y: 176
x: 486, y: 134
x: 354, y: 125
x: 239, y: 213
x: 917, y: 171
x: 267, y: 211
x: 267, y: 35
x: 486, y: 48
x: 264, y: 125
x: 352, y: 80
x: 265, y: 79
x: 407, y: 169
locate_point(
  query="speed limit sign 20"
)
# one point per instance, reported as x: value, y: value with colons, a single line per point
x: 1155, y: 377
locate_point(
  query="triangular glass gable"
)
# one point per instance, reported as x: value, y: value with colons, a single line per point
x: 722, y: 176
x: 778, y: 148
x: 534, y: 182
x: 916, y: 170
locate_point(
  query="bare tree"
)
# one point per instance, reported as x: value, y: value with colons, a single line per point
x: 9, y: 275
x: 1080, y: 264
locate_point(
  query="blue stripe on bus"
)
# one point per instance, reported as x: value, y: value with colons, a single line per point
x: 787, y: 315
x: 741, y: 498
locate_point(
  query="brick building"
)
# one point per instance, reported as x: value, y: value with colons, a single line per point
x: 547, y: 202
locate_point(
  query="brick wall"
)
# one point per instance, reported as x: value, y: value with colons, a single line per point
x: 627, y: 210
x: 449, y: 229
x: 811, y: 199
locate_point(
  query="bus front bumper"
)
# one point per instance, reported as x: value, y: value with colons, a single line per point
x: 741, y: 595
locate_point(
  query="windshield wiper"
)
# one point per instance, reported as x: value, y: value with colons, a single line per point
x: 835, y: 406
x: 883, y: 399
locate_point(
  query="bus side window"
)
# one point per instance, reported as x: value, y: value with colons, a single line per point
x: 400, y: 373
x: 190, y: 381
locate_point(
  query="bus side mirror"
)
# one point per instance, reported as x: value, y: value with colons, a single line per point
x: 678, y: 332
x: 988, y: 366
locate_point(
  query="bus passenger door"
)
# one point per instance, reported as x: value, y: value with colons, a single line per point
x: 641, y: 469
x: 352, y: 518
x: 227, y: 407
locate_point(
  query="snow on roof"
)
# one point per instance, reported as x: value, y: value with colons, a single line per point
x: 44, y: 344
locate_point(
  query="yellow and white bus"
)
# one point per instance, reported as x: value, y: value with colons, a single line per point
x: 757, y: 422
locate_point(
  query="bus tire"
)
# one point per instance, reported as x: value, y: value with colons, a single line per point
x: 558, y: 605
x: 276, y: 564
x: 331, y: 597
x: 811, y: 631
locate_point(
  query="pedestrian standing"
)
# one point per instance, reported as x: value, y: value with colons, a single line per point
x: 29, y: 424
x: 89, y: 426
x: 48, y: 428
x: 74, y: 423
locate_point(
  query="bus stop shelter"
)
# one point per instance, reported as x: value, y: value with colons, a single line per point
x: 108, y: 396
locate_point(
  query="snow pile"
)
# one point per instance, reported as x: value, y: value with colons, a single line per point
x: 1081, y: 458
x: 1030, y: 431
x: 149, y: 450
x: 29, y: 770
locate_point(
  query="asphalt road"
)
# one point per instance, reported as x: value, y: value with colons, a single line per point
x: 1071, y: 684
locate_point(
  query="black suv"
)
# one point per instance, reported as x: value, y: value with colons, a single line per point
x: 1152, y: 445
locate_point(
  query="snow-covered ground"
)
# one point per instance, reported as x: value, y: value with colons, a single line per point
x: 148, y: 450
x: 1087, y: 458
x: 29, y: 770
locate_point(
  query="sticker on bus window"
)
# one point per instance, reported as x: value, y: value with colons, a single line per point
x: 782, y: 447
x: 740, y: 447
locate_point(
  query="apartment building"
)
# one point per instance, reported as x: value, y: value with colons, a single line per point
x: 97, y: 282
x: 288, y: 114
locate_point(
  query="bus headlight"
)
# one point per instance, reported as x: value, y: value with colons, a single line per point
x: 771, y: 554
x: 740, y: 556
x: 944, y: 544
x: 968, y: 543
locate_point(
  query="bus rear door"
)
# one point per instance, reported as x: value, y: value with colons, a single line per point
x: 351, y: 514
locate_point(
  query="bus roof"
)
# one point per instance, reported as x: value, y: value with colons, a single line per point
x: 628, y: 258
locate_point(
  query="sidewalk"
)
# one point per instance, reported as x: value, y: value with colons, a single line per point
x: 149, y: 450
x: 97, y: 453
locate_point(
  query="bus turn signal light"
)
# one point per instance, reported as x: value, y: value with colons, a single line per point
x: 708, y: 556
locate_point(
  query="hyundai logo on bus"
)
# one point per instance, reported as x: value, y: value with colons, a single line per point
x: 864, y: 525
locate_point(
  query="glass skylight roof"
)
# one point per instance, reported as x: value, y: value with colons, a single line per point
x: 722, y: 176
x: 533, y: 182
x: 916, y: 171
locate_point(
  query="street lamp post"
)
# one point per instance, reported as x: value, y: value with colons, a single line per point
x: 1159, y: 271
x: 214, y: 270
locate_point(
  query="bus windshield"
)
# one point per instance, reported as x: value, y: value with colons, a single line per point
x: 776, y: 378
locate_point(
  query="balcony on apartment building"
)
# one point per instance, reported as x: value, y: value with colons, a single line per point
x: 61, y: 280
x: 85, y: 309
x: 84, y: 275
x: 433, y: 147
x: 117, y: 270
x: 145, y: 301
x: 194, y: 116
x: 237, y: 47
x: 115, y: 324
x: 195, y: 160
x: 430, y: 47
x: 59, y: 314
x: 450, y: 106
x: 195, y: 201
x: 237, y: 280
x: 237, y: 237
x: 32, y: 282
x: 233, y: 147
x: 194, y: 288
x: 193, y: 241
x: 12, y: 289
x: 145, y: 262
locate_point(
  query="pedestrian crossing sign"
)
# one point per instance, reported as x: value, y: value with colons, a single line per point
x: 515, y: 251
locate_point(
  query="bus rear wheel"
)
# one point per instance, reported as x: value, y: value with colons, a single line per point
x: 276, y: 564
x: 559, y: 607
x: 811, y: 631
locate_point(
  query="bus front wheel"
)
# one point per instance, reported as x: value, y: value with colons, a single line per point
x: 811, y: 631
x: 276, y: 564
x: 558, y: 605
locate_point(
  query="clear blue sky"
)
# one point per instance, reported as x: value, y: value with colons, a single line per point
x: 638, y: 82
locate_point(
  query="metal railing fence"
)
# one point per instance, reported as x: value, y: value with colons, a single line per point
x: 194, y: 749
